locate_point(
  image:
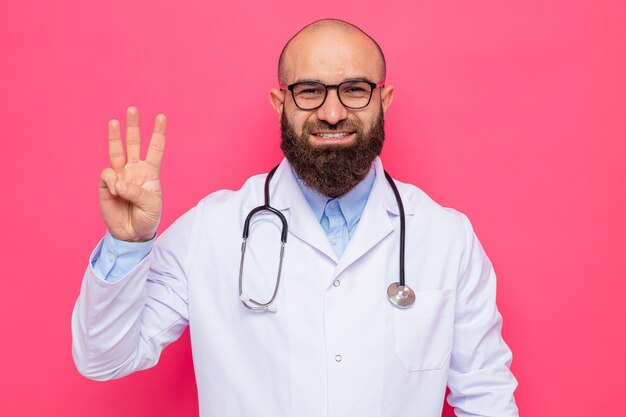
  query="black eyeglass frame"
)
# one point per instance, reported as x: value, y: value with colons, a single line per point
x: 373, y: 86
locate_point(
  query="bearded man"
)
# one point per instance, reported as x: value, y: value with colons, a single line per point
x: 324, y: 330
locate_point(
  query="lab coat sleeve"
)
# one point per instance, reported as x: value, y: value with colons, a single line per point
x: 122, y: 326
x: 480, y: 381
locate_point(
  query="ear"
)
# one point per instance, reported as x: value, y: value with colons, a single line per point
x: 386, y: 97
x: 277, y: 100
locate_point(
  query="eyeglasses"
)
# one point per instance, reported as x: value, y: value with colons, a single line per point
x: 353, y: 94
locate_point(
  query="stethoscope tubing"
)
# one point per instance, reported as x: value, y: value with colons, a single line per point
x: 267, y: 207
x: 246, y: 300
x: 399, y: 294
x: 396, y: 193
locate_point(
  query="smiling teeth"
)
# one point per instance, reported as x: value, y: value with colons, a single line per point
x: 332, y: 135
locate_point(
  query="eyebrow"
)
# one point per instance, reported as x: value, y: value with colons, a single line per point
x: 312, y: 80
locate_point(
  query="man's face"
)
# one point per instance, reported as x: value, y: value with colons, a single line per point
x: 332, y: 147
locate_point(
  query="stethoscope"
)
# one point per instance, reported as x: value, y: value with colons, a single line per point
x: 398, y: 293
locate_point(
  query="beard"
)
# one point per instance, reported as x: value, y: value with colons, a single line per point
x: 332, y: 170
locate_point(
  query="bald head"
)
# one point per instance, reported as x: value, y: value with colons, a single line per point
x: 328, y: 33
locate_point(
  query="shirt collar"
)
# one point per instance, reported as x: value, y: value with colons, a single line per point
x: 351, y: 203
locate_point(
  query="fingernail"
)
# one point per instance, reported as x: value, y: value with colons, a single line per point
x: 112, y: 188
x: 122, y: 186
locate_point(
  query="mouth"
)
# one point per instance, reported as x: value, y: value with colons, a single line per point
x: 330, y: 137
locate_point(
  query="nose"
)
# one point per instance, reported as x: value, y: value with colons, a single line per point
x: 332, y: 111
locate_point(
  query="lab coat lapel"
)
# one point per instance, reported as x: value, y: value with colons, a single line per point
x: 375, y: 224
x: 288, y: 198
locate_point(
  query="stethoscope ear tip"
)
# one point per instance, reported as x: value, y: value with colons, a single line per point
x: 272, y: 308
x: 244, y: 297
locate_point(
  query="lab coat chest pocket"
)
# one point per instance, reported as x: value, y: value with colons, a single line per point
x: 424, y: 331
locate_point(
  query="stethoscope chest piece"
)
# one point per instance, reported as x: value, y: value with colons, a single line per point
x: 400, y: 295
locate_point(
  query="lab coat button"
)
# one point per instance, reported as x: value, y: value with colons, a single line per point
x: 338, y: 358
x: 336, y: 283
x: 111, y: 257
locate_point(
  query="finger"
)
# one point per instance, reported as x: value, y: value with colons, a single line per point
x: 157, y: 142
x: 135, y: 194
x: 116, y: 150
x: 108, y: 178
x: 133, y: 138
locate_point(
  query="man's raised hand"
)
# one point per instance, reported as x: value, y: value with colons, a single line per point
x: 130, y: 189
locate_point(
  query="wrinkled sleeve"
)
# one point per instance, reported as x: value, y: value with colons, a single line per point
x: 480, y: 381
x: 120, y: 326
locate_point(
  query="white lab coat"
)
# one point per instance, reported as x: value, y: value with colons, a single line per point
x: 336, y: 346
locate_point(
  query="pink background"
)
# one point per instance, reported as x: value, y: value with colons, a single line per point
x: 512, y: 112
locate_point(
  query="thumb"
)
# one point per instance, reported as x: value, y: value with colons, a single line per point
x: 136, y: 195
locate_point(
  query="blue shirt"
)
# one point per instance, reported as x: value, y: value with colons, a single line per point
x: 113, y: 258
x: 339, y: 216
